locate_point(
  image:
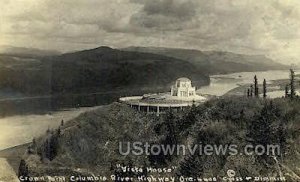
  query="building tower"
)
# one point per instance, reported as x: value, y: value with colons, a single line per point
x: 183, y: 88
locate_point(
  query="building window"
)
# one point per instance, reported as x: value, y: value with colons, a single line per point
x: 183, y: 94
x: 174, y: 93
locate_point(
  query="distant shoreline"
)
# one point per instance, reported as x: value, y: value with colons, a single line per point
x: 44, y: 104
x: 275, y: 85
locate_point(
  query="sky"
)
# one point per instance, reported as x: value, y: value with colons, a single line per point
x: 268, y: 27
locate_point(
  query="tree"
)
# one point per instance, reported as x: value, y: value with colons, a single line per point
x: 33, y: 146
x: 251, y: 90
x: 51, y: 147
x: 282, y: 133
x: 286, y: 91
x: 255, y: 86
x: 192, y: 165
x: 189, y: 119
x: 23, y: 168
x: 260, y: 131
x: 48, y: 130
x: 33, y: 142
x: 292, y: 83
x: 58, y: 131
x: 171, y: 133
x: 265, y: 88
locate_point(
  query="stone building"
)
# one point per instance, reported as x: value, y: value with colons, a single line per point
x: 182, y: 95
x: 183, y: 88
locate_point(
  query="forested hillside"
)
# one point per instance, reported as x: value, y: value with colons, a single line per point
x: 100, y: 69
x: 216, y: 62
x: 36, y: 72
x: 90, y: 142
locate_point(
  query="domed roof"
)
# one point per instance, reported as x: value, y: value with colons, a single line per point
x: 183, y: 79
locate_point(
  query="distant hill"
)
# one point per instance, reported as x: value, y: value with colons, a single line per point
x: 100, y: 69
x: 88, y: 78
x: 105, y: 69
x: 26, y: 52
x: 214, y: 62
x: 101, y: 75
x: 110, y: 69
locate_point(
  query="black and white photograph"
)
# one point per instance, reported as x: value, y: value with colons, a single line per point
x: 150, y: 90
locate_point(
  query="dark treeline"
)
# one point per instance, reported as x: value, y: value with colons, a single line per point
x: 290, y: 91
x: 253, y: 90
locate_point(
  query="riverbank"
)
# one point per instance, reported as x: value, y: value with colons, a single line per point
x: 222, y: 84
x: 275, y: 88
x: 21, y: 129
x: 43, y: 104
x: 17, y: 133
x: 17, y: 130
x: 26, y: 126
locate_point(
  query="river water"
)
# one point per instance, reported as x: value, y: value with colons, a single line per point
x: 20, y: 129
x: 221, y: 84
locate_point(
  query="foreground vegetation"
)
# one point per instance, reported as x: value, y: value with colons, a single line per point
x: 89, y: 143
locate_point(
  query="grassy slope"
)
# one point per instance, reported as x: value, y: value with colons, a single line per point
x: 90, y: 141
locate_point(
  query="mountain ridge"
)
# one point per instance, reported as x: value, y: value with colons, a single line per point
x: 26, y: 52
x: 215, y: 62
x: 118, y: 68
x: 105, y: 68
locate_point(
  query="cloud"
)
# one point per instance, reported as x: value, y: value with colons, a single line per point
x: 164, y: 14
x: 264, y: 27
x: 181, y: 9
